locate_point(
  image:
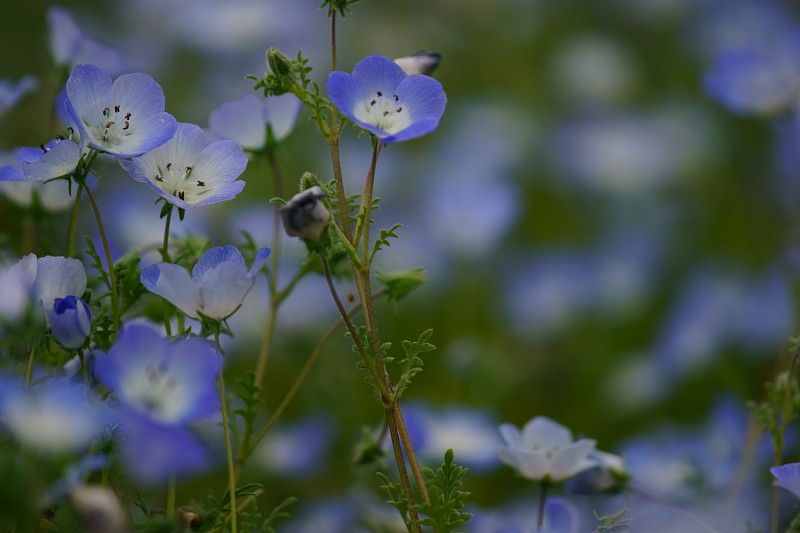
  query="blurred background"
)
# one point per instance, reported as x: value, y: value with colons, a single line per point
x: 607, y: 216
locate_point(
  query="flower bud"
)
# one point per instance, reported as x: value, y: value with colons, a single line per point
x: 99, y: 509
x: 421, y: 62
x: 304, y: 215
x: 70, y: 321
x: 278, y: 63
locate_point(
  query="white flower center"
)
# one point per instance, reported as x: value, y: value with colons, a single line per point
x: 155, y: 391
x: 384, y: 111
x: 177, y: 181
x: 115, y: 125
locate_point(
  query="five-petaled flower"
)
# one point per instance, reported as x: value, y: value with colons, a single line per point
x: 192, y: 169
x: 54, y: 159
x: 381, y: 98
x: 788, y: 477
x: 544, y: 450
x: 217, y: 287
x: 124, y: 117
x: 255, y: 122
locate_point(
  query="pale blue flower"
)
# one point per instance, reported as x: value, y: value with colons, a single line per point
x: 53, y: 417
x: 381, y: 98
x: 298, y: 449
x: 253, y: 122
x: 70, y: 321
x: 57, y: 277
x: 217, y: 287
x: 69, y: 46
x: 192, y: 169
x: 54, y: 159
x: 11, y: 93
x: 124, y: 117
x: 544, y: 450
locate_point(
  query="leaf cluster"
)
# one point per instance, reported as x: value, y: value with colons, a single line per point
x: 613, y: 522
x: 446, y: 510
x: 250, y: 397
x: 337, y: 6
x: 411, y: 364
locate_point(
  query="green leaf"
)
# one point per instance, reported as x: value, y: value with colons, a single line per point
x: 613, y: 523
x: 397, y: 498
x: 411, y: 364
x: 445, y: 512
x: 278, y: 513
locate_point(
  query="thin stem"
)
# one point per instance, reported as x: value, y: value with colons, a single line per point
x: 333, y: 39
x: 778, y: 455
x: 29, y: 369
x: 366, y: 203
x: 226, y: 429
x: 112, y: 278
x: 165, y: 245
x: 172, y: 489
x: 544, y: 485
x: 401, y: 469
x: 337, y: 174
x: 672, y: 507
x: 411, y: 455
x: 73, y: 220
x: 379, y: 382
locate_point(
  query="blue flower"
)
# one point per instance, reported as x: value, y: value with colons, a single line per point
x: 124, y: 117
x: 191, y: 169
x: 69, y: 46
x: 253, y: 122
x: 71, y: 321
x: 162, y: 387
x: 381, y: 98
x: 11, y: 93
x: 788, y: 477
x: 217, y: 287
x: 54, y: 417
x: 54, y: 159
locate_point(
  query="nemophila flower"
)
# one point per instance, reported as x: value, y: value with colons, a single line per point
x: 192, y: 169
x: 544, y: 450
x: 381, y: 98
x: 217, y: 287
x: 788, y: 477
x: 11, y: 93
x: 99, y: 509
x: 560, y: 516
x: 124, y: 117
x: 51, y: 196
x: 57, y: 277
x: 51, y: 160
x: 70, y: 321
x: 162, y: 386
x: 54, y: 417
x: 297, y: 450
x: 304, y: 215
x: 69, y: 46
x: 254, y: 122
x: 16, y: 286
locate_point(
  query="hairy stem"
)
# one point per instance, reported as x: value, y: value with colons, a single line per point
x: 112, y: 278
x: 226, y: 429
x: 543, y: 486
x: 73, y: 219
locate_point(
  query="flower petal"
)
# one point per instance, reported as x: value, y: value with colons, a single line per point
x: 542, y: 432
x: 261, y: 256
x: 172, y: 282
x: 573, y: 458
x: 150, y: 132
x: 87, y: 90
x: 529, y: 463
x: 57, y: 277
x: 243, y: 120
x: 511, y: 435
x: 282, y: 111
x: 60, y: 160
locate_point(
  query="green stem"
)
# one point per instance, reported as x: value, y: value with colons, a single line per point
x: 366, y: 204
x: 226, y: 429
x: 165, y: 257
x: 73, y: 220
x: 332, y: 13
x: 112, y: 278
x: 401, y: 469
x: 544, y: 485
x: 29, y: 369
x: 172, y: 489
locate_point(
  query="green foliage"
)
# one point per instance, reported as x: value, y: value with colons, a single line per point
x: 216, y: 512
x: 383, y: 240
x: 278, y: 513
x: 445, y: 512
x: 366, y: 342
x: 368, y: 449
x: 129, y: 280
x: 411, y: 364
x: 613, y: 523
x: 397, y: 498
x: 250, y: 397
x: 337, y: 6
x: 97, y: 264
x: 750, y: 528
x: 399, y: 283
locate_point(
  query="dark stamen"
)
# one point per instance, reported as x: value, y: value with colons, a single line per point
x: 181, y: 195
x: 395, y: 97
x: 110, y: 123
x: 116, y: 108
x: 71, y: 131
x: 399, y: 109
x: 59, y: 138
x: 44, y: 149
x: 201, y: 183
x: 127, y: 125
x: 385, y: 113
x: 128, y: 116
x: 373, y: 102
x: 159, y: 178
x: 380, y: 93
x: 169, y: 167
x: 106, y: 111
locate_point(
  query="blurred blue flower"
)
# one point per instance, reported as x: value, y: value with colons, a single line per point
x: 69, y: 46
x: 788, y: 477
x: 52, y: 196
x: 217, y: 287
x: 253, y: 122
x: 16, y: 286
x: 168, y: 382
x: 387, y: 102
x: 758, y: 79
x: 56, y: 277
x: 560, y: 516
x: 71, y: 321
x: 124, y: 117
x: 544, y: 450
x: 11, y: 93
x: 53, y: 417
x: 191, y: 169
x: 297, y: 449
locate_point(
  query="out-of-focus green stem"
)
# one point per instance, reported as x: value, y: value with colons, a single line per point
x: 226, y: 428
x: 112, y: 278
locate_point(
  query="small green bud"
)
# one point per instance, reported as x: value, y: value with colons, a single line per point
x: 278, y: 63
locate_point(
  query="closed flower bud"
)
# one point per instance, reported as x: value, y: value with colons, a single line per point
x: 304, y: 215
x: 99, y: 509
x: 70, y: 321
x: 420, y: 62
x: 278, y: 63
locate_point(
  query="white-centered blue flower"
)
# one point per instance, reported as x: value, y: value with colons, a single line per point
x: 788, y: 477
x: 69, y: 46
x: 544, y: 450
x: 192, y: 169
x: 54, y: 159
x: 253, y: 122
x: 381, y: 98
x: 123, y: 117
x: 217, y: 287
x: 169, y: 382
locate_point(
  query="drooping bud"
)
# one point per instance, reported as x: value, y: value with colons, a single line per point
x: 99, y: 509
x: 71, y: 321
x: 305, y: 215
x: 420, y: 62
